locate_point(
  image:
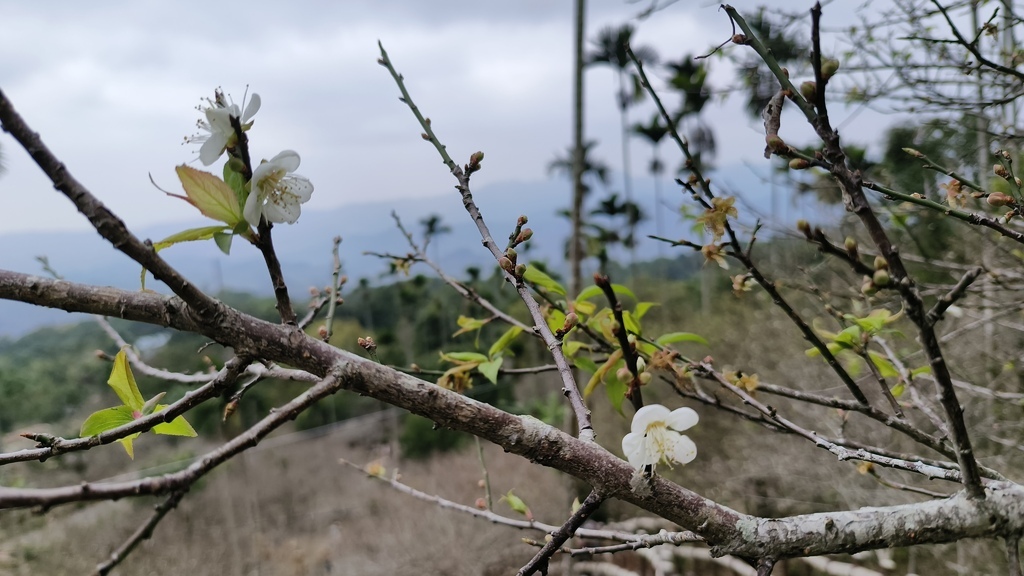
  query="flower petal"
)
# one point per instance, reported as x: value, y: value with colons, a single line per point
x: 683, y: 450
x: 646, y: 416
x: 287, y: 160
x: 298, y: 186
x: 681, y: 419
x: 635, y: 448
x: 252, y: 108
x: 212, y: 148
x: 253, y: 208
x: 283, y: 208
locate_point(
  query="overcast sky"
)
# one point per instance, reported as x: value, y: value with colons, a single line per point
x: 112, y: 88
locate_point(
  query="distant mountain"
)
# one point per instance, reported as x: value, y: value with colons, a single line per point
x: 304, y: 249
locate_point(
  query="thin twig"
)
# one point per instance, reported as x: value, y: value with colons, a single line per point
x: 569, y: 386
x: 463, y: 290
x: 334, y: 292
x: 144, y: 532
x: 622, y: 335
x: 756, y: 274
x: 950, y: 298
x: 52, y: 446
x: 540, y: 561
x: 851, y: 184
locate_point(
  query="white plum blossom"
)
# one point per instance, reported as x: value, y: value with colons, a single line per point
x: 276, y: 193
x: 654, y: 436
x: 218, y: 125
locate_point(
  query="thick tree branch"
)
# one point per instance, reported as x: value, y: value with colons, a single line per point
x: 109, y: 226
x: 729, y: 532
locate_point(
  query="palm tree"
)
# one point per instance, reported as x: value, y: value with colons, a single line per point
x: 432, y: 228
x: 654, y: 132
x: 610, y: 50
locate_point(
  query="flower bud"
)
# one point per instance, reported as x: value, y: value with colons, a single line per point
x: 868, y: 288
x: 881, y: 278
x: 571, y: 319
x: 481, y: 503
x: 511, y: 254
x: 645, y: 378
x: 641, y: 365
x: 881, y: 263
x: 522, y: 221
x: 803, y: 226
x: 1000, y: 171
x: 999, y: 199
x: 623, y: 374
x: 520, y: 271
x: 809, y: 90
x: 829, y: 67
x: 776, y: 143
x: 322, y: 332
x: 1005, y: 154
x: 506, y: 265
x: 913, y: 153
x: 851, y: 244
x: 525, y: 235
x: 799, y: 164
x: 476, y: 157
x: 740, y: 39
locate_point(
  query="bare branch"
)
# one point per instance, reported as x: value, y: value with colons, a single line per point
x: 569, y: 386
x: 143, y: 533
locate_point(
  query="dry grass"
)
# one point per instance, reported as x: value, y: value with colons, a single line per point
x: 290, y: 508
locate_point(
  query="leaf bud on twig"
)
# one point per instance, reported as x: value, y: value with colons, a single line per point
x: 520, y: 271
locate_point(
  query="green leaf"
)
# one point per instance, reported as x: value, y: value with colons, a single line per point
x: 926, y: 369
x: 467, y: 324
x: 237, y: 183
x: 584, y: 308
x: 211, y: 195
x: 504, y: 341
x: 490, y: 369
x: 584, y: 363
x: 516, y: 504
x: 616, y: 391
x: 646, y: 348
x: 556, y: 319
x: 674, y: 337
x: 571, y: 347
x: 126, y: 442
x: 589, y: 292
x: 849, y: 337
x: 106, y: 419
x: 897, y: 390
x: 459, y: 357
x: 123, y: 383
x: 642, y: 308
x: 177, y: 427
x: 623, y: 291
x: 190, y: 235
x: 599, y: 374
x: 539, y: 279
x: 630, y: 322
x: 885, y: 367
x: 223, y: 241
